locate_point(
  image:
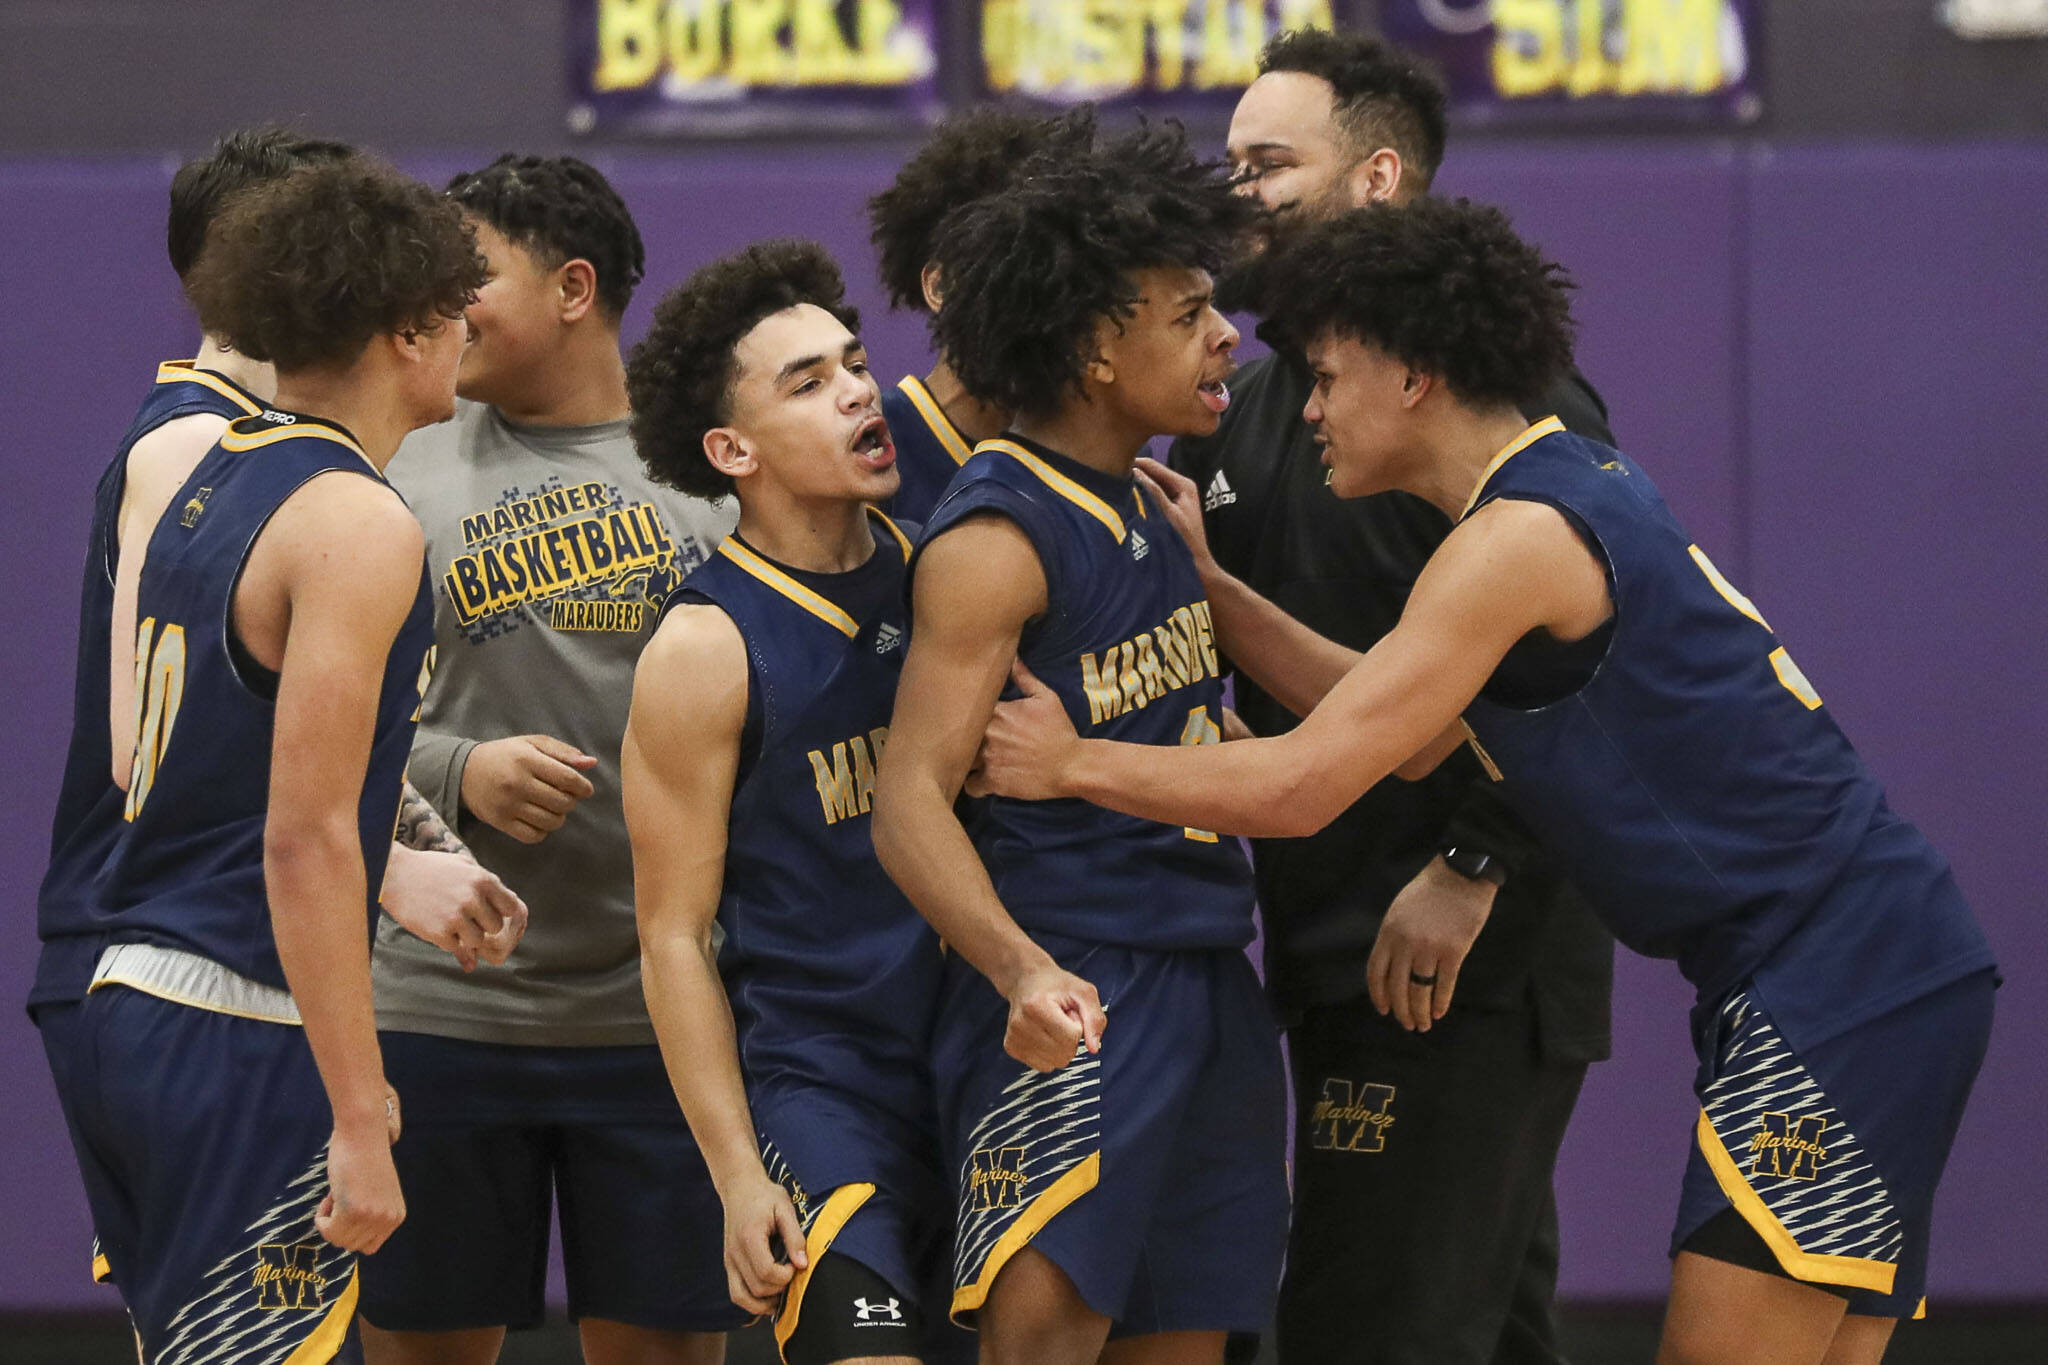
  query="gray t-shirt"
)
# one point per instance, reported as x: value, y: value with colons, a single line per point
x: 550, y: 553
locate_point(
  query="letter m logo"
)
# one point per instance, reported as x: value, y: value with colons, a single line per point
x: 286, y: 1276
x: 1789, y: 1147
x: 998, y: 1178
x: 1351, y: 1118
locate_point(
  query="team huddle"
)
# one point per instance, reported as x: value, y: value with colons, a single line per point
x: 816, y: 869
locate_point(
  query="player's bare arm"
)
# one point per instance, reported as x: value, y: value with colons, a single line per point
x: 1512, y: 568
x: 326, y: 588
x: 158, y: 466
x: 436, y: 890
x: 976, y: 586
x: 678, y: 767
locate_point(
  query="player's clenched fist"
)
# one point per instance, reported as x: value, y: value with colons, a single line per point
x: 363, y: 1204
x: 525, y: 786
x: 1053, y: 1014
x: 764, y: 1245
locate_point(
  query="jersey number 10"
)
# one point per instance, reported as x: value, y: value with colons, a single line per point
x: 159, y: 689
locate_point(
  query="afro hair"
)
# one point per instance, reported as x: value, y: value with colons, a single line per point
x: 680, y: 377
x: 1442, y: 285
x: 1031, y: 270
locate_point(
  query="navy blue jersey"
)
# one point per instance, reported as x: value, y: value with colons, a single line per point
x: 1698, y: 790
x: 1126, y: 642
x: 929, y: 448
x: 832, y: 974
x: 88, y: 803
x: 189, y: 872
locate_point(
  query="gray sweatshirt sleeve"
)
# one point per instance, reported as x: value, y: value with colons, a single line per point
x: 435, y: 771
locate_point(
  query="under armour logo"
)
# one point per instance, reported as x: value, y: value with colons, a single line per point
x: 891, y: 1313
x: 1139, y: 546
x: 887, y: 638
x: 1218, y: 494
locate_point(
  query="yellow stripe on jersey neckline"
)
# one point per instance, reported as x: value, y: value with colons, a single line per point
x: 188, y: 372
x: 935, y: 417
x: 1062, y: 485
x: 894, y: 529
x: 1535, y: 432
x: 235, y: 440
x: 796, y: 592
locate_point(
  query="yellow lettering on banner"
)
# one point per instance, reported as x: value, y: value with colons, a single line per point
x: 1230, y: 51
x: 1591, y: 71
x: 1107, y: 46
x: 756, y: 25
x: 821, y: 52
x: 1528, y: 46
x: 628, y: 43
x: 1671, y: 47
x: 696, y: 45
x: 882, y: 60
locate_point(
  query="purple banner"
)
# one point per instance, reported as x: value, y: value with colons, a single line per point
x: 751, y: 66
x: 1599, y: 61
x: 1170, y: 55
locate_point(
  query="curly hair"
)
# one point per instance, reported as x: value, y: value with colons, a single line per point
x: 1443, y: 285
x: 681, y: 376
x: 304, y: 271
x: 971, y: 155
x: 1030, y: 271
x: 560, y: 209
x: 1384, y: 97
x: 245, y: 157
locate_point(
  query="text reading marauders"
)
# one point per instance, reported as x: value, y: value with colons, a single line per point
x: 596, y: 540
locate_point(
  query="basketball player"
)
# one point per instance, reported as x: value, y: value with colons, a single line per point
x: 935, y: 422
x: 540, y: 1086
x: 448, y: 901
x: 1645, y: 720
x: 759, y: 713
x: 1108, y: 1072
x: 233, y: 1098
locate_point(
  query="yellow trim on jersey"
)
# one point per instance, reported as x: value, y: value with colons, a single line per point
x: 324, y: 1341
x: 840, y: 1206
x: 1921, y: 1311
x: 1062, y: 485
x: 935, y: 417
x: 894, y: 530
x: 1485, y: 758
x: 1062, y: 1192
x: 796, y: 592
x: 1854, y: 1271
x: 102, y: 1271
x: 235, y: 440
x: 188, y: 372
x: 1535, y: 432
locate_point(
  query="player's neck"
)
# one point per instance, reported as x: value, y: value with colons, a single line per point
x: 361, y: 404
x: 972, y: 418
x: 1083, y: 432
x: 582, y: 385
x: 1462, y: 443
x: 252, y: 375
x: 817, y: 535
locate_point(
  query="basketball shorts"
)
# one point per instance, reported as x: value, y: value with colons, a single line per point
x: 62, y: 1026
x: 877, y: 1216
x: 208, y: 1133
x: 1830, y: 1154
x: 1153, y: 1173
x: 495, y: 1137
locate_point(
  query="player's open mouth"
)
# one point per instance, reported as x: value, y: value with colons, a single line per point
x: 871, y: 444
x: 1215, y: 394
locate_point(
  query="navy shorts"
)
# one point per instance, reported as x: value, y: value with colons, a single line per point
x: 1831, y: 1154
x: 208, y: 1136
x: 1153, y: 1173
x: 62, y: 1026
x: 867, y: 1186
x: 495, y: 1136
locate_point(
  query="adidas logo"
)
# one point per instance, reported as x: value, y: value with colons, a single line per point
x: 1218, y: 494
x: 1140, y: 547
x: 887, y: 637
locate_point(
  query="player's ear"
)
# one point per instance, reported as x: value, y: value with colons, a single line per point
x: 1377, y: 179
x: 1415, y: 386
x: 934, y: 295
x: 729, y: 452
x: 576, y: 289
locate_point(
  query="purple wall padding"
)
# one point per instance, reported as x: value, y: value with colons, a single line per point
x: 1831, y: 358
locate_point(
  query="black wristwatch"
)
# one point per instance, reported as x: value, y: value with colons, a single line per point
x: 1473, y: 865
